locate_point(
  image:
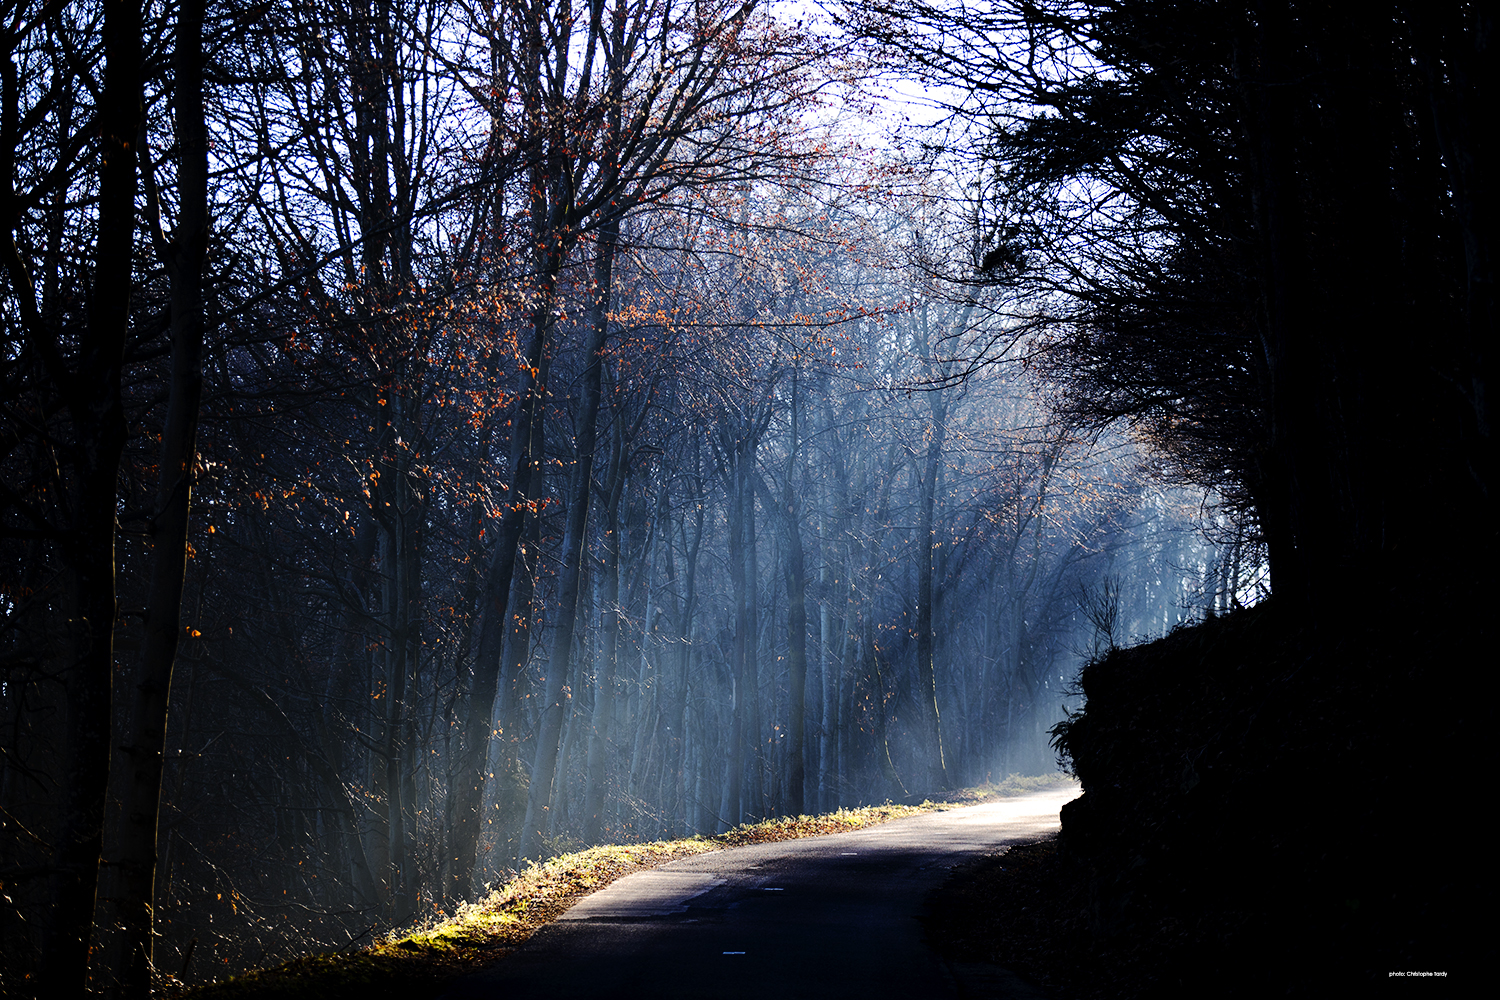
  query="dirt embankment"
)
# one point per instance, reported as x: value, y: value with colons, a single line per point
x: 1271, y: 807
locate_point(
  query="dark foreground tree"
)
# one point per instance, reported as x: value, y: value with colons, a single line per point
x: 1256, y: 232
x: 65, y: 427
x: 134, y: 852
x: 1262, y: 238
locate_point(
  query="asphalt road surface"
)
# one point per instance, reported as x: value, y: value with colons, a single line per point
x: 825, y: 917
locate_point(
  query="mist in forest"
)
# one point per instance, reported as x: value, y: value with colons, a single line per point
x: 452, y: 441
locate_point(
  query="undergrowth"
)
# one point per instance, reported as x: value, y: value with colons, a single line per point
x: 419, y: 962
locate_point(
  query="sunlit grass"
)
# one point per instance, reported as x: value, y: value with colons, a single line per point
x: 419, y: 962
x: 1015, y: 784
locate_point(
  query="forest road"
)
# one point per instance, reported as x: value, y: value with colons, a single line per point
x: 826, y: 918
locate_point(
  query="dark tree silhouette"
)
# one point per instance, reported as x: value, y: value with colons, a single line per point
x: 1264, y: 245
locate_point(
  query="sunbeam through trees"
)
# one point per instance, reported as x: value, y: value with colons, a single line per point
x: 437, y: 435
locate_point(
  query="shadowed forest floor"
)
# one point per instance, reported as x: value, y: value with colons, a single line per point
x: 1026, y: 910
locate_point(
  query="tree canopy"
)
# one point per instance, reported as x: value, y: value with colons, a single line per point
x: 1259, y: 233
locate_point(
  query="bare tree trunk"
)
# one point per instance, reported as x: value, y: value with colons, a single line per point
x: 647, y: 681
x: 135, y: 853
x: 557, y: 815
x: 678, y: 714
x: 95, y: 405
x: 731, y: 807
x: 735, y: 444
x: 539, y: 795
x: 827, y: 730
x: 932, y: 727
x: 604, y: 695
x: 496, y: 623
x: 796, y: 625
x: 795, y: 573
x: 755, y: 792
x: 399, y: 557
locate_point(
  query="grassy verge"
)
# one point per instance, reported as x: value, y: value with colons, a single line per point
x: 419, y: 963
